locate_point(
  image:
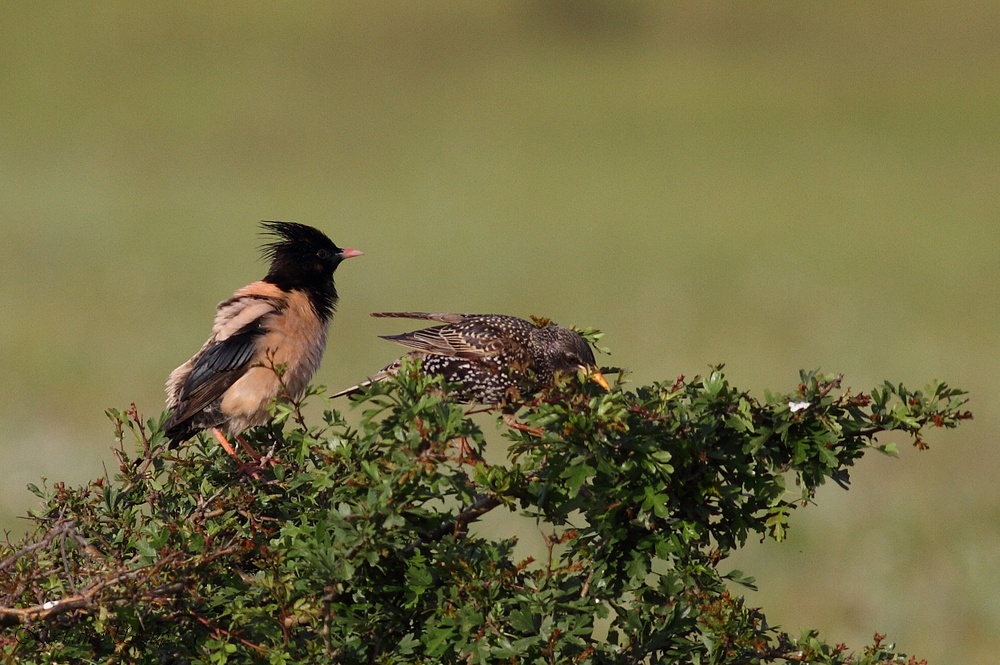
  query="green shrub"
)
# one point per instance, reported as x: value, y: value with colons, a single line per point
x: 353, y: 545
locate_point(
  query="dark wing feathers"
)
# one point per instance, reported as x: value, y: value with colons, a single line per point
x: 222, y: 358
x: 215, y: 369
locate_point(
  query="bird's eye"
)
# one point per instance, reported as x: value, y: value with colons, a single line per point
x: 323, y: 254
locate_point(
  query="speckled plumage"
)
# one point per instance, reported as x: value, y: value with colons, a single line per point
x: 281, y: 320
x: 492, y: 358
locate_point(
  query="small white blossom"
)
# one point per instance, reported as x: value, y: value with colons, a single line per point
x: 48, y: 605
x: 798, y: 406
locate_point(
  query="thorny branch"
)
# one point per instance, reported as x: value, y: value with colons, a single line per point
x: 85, y: 599
x: 89, y: 595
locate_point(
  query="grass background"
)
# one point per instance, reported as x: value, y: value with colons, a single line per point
x: 774, y: 186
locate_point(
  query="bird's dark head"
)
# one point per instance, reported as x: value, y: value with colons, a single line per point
x: 566, y: 351
x: 304, y: 258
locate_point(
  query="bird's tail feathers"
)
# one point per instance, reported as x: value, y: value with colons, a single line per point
x: 443, y: 317
x: 177, y: 431
x: 350, y: 391
x: 381, y: 375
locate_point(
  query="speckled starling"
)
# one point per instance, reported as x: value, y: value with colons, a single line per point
x: 491, y: 358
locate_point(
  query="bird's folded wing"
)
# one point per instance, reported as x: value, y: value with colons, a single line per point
x: 227, y: 356
x: 450, y: 341
x: 221, y: 363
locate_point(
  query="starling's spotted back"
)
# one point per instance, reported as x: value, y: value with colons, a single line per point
x: 491, y: 357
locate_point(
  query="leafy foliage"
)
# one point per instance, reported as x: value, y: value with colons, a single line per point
x: 358, y: 544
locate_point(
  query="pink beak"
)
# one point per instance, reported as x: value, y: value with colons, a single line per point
x: 348, y: 253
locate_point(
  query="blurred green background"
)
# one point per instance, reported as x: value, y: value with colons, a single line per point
x: 774, y: 186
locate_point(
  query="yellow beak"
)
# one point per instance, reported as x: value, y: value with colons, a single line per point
x: 595, y: 375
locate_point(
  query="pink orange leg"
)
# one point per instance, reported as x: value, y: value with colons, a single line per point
x: 228, y: 447
x: 224, y: 442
